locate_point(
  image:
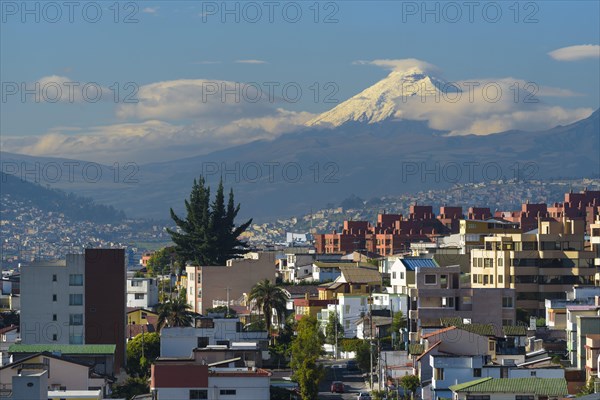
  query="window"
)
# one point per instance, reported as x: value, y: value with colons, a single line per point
x: 54, y: 337
x: 54, y: 278
x: 476, y: 372
x: 75, y: 280
x: 438, y: 374
x: 401, y: 275
x: 478, y: 397
x: 76, y: 319
x: 485, y: 279
x: 227, y: 392
x: 53, y: 297
x: 507, y: 302
x: 202, y: 342
x: 140, y: 296
x: 136, y: 283
x: 500, y: 262
x: 75, y: 299
x: 500, y: 279
x: 491, y: 279
x: 393, y: 275
x: 54, y: 317
x: 430, y: 279
x: 198, y: 394
x: 444, y: 281
x: 491, y: 345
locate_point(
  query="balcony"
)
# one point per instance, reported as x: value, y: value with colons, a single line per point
x: 413, y: 314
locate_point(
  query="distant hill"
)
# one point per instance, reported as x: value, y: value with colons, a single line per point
x: 309, y: 168
x: 72, y: 206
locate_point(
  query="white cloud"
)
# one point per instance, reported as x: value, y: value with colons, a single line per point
x: 177, y: 119
x: 576, y: 53
x: 250, y: 62
x: 406, y: 64
x: 487, y: 106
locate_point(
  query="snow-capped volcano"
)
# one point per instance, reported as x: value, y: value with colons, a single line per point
x: 383, y: 100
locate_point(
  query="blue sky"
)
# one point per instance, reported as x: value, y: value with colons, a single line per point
x: 187, y: 40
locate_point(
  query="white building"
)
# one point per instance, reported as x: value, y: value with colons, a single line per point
x: 8, y: 336
x: 52, y: 301
x: 181, y: 341
x: 142, y: 292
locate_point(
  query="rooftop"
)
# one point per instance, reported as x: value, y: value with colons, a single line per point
x: 538, y: 386
x: 63, y: 348
x: 412, y: 263
x: 360, y: 274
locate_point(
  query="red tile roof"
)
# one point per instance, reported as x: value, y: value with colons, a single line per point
x: 439, y: 331
x: 436, y: 344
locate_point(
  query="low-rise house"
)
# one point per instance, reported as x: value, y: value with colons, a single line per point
x: 592, y: 355
x: 581, y: 320
x: 183, y: 379
x: 63, y: 374
x: 101, y: 357
x: 180, y: 341
x: 511, y: 388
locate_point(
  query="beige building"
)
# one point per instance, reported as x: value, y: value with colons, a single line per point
x: 539, y: 265
x: 209, y: 284
x: 439, y: 295
x: 595, y: 243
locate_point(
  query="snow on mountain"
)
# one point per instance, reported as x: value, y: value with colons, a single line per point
x: 380, y: 101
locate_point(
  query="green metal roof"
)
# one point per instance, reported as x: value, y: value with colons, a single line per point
x: 538, y: 386
x: 514, y: 331
x: 63, y: 348
x: 479, y: 329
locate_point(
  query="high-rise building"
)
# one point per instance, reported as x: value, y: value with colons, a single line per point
x: 539, y: 265
x: 79, y: 300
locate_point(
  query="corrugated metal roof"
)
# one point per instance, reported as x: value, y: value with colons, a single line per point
x: 63, y: 348
x: 538, y: 386
x: 360, y: 275
x: 412, y: 263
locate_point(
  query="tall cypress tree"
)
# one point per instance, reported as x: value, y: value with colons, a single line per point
x: 208, y: 233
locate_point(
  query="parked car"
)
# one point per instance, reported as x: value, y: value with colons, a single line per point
x: 337, y: 387
x: 363, y: 396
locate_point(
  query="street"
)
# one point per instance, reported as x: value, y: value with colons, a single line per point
x: 336, y: 371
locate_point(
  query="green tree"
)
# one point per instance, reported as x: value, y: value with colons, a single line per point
x: 267, y: 298
x: 398, y: 323
x: 363, y: 355
x: 330, y: 329
x: 142, y: 350
x: 163, y: 261
x: 208, y: 234
x: 175, y: 312
x: 410, y: 383
x: 306, y: 349
x: 131, y: 387
x: 228, y: 311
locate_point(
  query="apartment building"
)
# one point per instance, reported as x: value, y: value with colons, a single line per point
x: 207, y: 284
x: 79, y: 300
x: 142, y: 292
x: 439, y: 295
x: 539, y: 265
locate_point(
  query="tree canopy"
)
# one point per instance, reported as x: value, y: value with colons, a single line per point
x: 138, y: 361
x: 175, y: 312
x: 268, y: 297
x: 208, y: 234
x: 330, y: 330
x: 306, y: 349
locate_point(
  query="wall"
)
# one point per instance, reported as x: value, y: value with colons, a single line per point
x: 105, y: 318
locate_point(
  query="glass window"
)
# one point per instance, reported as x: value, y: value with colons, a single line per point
x: 54, y: 278
x: 507, y: 302
x: 76, y: 319
x: 198, y: 394
x: 430, y: 279
x: 476, y: 372
x: 75, y: 280
x: 227, y: 392
x: 76, y: 299
x: 139, y: 296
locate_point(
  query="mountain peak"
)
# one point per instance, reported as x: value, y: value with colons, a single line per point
x: 379, y: 102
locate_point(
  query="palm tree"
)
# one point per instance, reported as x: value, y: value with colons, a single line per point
x: 175, y: 312
x: 268, y: 297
